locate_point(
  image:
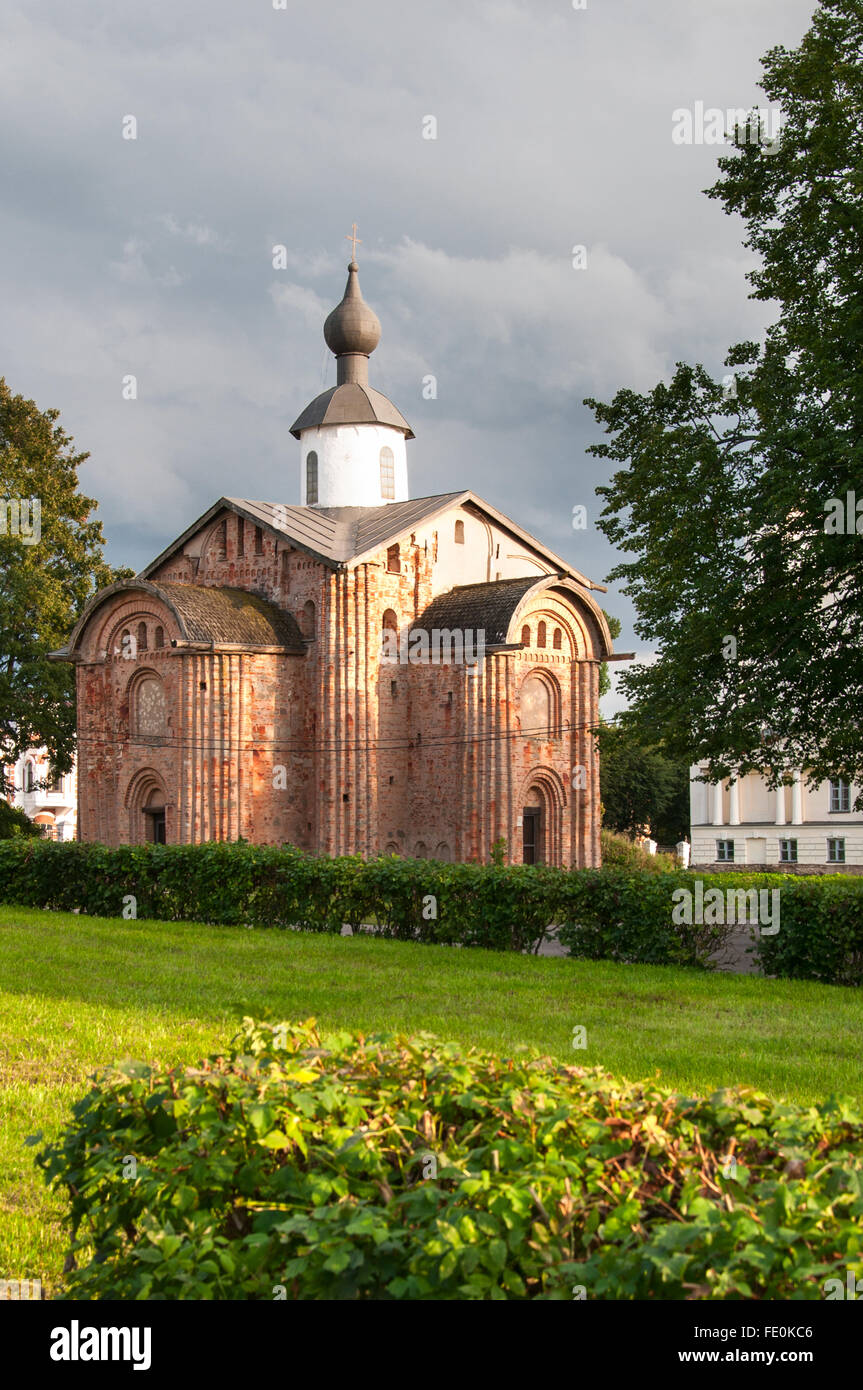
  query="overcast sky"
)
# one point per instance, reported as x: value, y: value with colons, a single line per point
x: 259, y: 126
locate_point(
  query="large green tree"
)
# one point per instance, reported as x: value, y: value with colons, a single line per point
x: 641, y: 785
x: 727, y: 502
x: 50, y: 564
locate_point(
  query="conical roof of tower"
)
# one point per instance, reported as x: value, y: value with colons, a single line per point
x: 351, y: 404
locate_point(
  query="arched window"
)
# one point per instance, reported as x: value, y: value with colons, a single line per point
x: 540, y: 635
x: 389, y: 636
x: 142, y: 637
x: 128, y: 645
x: 525, y: 636
x: 388, y: 473
x: 311, y: 479
x: 309, y: 616
x: 259, y: 540
x: 150, y: 708
x: 394, y: 564
x: 222, y: 540
x: 241, y: 536
x: 29, y: 777
x: 421, y: 852
x: 536, y: 708
x: 557, y: 640
x: 286, y: 571
x: 459, y: 533
x: 159, y: 637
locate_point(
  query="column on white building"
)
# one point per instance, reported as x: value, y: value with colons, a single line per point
x: 780, y: 804
x: 717, y: 804
x: 797, y: 799
x: 734, y: 802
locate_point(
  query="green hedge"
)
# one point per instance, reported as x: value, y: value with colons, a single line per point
x: 821, y: 935
x: 401, y: 1168
x: 603, y: 914
x: 627, y: 915
x: 504, y: 908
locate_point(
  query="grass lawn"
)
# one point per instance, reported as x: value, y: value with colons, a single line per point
x: 77, y: 992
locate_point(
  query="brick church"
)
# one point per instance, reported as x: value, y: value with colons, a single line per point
x: 364, y: 673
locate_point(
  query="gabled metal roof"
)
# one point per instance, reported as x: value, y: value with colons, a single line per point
x: 341, y: 536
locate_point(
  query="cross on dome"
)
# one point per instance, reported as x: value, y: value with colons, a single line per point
x: 354, y: 240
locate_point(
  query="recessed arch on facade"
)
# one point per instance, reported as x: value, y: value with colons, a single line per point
x: 148, y: 705
x: 146, y: 803
x: 567, y: 605
x: 539, y: 704
x: 541, y: 803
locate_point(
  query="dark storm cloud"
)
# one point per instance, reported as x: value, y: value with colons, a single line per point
x: 259, y: 126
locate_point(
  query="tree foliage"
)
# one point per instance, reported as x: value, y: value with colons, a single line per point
x: 724, y: 500
x: 15, y: 823
x: 48, y: 571
x: 641, y: 785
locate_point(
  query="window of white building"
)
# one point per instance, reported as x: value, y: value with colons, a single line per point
x: 788, y: 851
x: 725, y: 851
x: 835, y: 851
x: 840, y: 796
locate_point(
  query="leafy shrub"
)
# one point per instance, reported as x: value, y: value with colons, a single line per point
x: 615, y: 914
x: 15, y: 823
x: 619, y: 852
x: 388, y: 1167
x: 821, y: 936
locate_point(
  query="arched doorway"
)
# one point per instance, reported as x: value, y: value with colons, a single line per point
x: 146, y: 802
x: 533, y: 828
x: 541, y: 806
x: 154, y: 818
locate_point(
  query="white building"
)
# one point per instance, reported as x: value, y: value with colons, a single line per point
x: 55, y: 806
x: 743, y: 822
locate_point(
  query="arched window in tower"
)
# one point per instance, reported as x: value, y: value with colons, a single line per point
x: 557, y: 639
x: 311, y: 479
x: 142, y: 637
x: 459, y: 533
x: 159, y: 637
x: 388, y: 474
x: 540, y: 635
x: 149, y: 708
x: 525, y: 636
x: 394, y: 564
x: 29, y: 777
x: 535, y: 707
x: 309, y: 617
